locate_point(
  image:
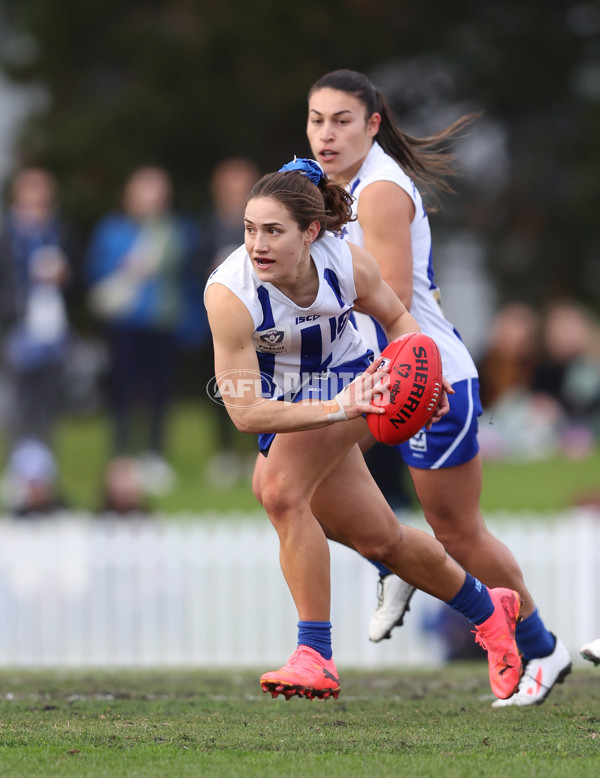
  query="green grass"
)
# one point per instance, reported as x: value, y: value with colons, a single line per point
x: 199, y: 723
x: 83, y: 447
x: 547, y: 485
x: 544, y: 486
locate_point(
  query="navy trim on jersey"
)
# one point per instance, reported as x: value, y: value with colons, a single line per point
x: 266, y: 362
x: 311, y: 348
x: 333, y: 328
x: 430, y: 271
x: 333, y: 282
x: 265, y: 303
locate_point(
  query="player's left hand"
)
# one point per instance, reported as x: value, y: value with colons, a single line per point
x: 443, y: 405
x: 356, y: 398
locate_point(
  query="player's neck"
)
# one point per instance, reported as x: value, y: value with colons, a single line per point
x: 303, y: 286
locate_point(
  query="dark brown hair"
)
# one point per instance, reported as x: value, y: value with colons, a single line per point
x: 328, y: 203
x: 426, y: 160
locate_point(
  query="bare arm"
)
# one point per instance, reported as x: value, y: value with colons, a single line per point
x: 385, y: 212
x: 238, y: 377
x: 376, y: 298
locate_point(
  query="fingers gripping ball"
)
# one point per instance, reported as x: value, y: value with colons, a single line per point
x: 414, y: 389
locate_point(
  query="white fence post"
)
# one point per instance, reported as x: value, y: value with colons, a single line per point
x: 208, y: 591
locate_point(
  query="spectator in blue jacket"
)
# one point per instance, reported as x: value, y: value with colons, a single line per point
x: 140, y: 266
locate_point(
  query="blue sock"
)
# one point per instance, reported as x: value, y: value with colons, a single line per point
x: 317, y: 635
x: 473, y: 601
x: 383, y: 570
x: 533, y: 639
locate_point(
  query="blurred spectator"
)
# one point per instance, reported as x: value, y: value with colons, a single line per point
x: 122, y: 489
x: 509, y: 426
x: 139, y: 265
x: 541, y: 383
x: 568, y: 373
x: 222, y: 226
x: 222, y: 232
x: 34, y: 269
x: 509, y: 361
x: 29, y: 484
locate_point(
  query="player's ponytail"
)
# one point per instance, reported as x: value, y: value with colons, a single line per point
x: 338, y: 204
x: 427, y: 160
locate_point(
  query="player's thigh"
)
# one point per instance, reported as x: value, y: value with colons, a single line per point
x: 350, y: 504
x: 450, y: 497
x: 445, y: 465
x: 298, y: 462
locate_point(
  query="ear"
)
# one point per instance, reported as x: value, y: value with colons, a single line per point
x: 312, y: 232
x: 373, y: 123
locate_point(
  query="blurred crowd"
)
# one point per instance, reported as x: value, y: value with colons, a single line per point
x: 540, y: 382
x: 140, y: 276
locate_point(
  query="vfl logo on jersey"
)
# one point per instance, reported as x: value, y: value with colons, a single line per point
x: 418, y: 442
x: 272, y: 337
x: 273, y: 341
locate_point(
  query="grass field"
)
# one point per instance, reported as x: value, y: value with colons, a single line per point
x: 197, y: 723
x: 548, y: 485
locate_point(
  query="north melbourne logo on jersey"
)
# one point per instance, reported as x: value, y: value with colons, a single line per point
x: 273, y: 341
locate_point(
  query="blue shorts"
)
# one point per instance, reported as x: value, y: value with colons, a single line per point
x: 452, y: 440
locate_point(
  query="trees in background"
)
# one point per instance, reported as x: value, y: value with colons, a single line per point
x: 183, y: 83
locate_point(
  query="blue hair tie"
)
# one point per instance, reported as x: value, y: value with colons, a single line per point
x: 308, y: 167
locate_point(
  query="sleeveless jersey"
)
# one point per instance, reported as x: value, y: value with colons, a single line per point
x: 426, y: 300
x: 308, y: 352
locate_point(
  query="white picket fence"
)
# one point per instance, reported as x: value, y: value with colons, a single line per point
x: 78, y: 591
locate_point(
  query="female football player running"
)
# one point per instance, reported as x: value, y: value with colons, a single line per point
x: 353, y: 135
x: 289, y: 360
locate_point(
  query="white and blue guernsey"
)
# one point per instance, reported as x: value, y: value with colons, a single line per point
x: 303, y: 353
x: 453, y: 440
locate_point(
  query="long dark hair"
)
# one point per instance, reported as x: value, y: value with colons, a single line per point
x: 426, y: 160
x: 328, y: 203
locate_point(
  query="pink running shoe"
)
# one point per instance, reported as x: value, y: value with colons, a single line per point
x: 497, y: 636
x: 307, y: 674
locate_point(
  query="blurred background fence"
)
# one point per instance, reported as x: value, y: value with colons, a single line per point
x: 77, y: 591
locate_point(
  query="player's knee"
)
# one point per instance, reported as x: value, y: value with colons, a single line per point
x: 456, y: 544
x: 279, y: 503
x: 381, y: 548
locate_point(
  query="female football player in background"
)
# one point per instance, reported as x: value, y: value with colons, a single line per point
x: 279, y: 310
x: 353, y: 135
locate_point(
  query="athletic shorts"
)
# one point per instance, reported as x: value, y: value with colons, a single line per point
x: 452, y: 440
x: 321, y: 386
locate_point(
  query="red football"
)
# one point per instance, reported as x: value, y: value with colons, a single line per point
x: 414, y: 390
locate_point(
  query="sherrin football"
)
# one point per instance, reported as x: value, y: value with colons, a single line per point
x: 415, y: 368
